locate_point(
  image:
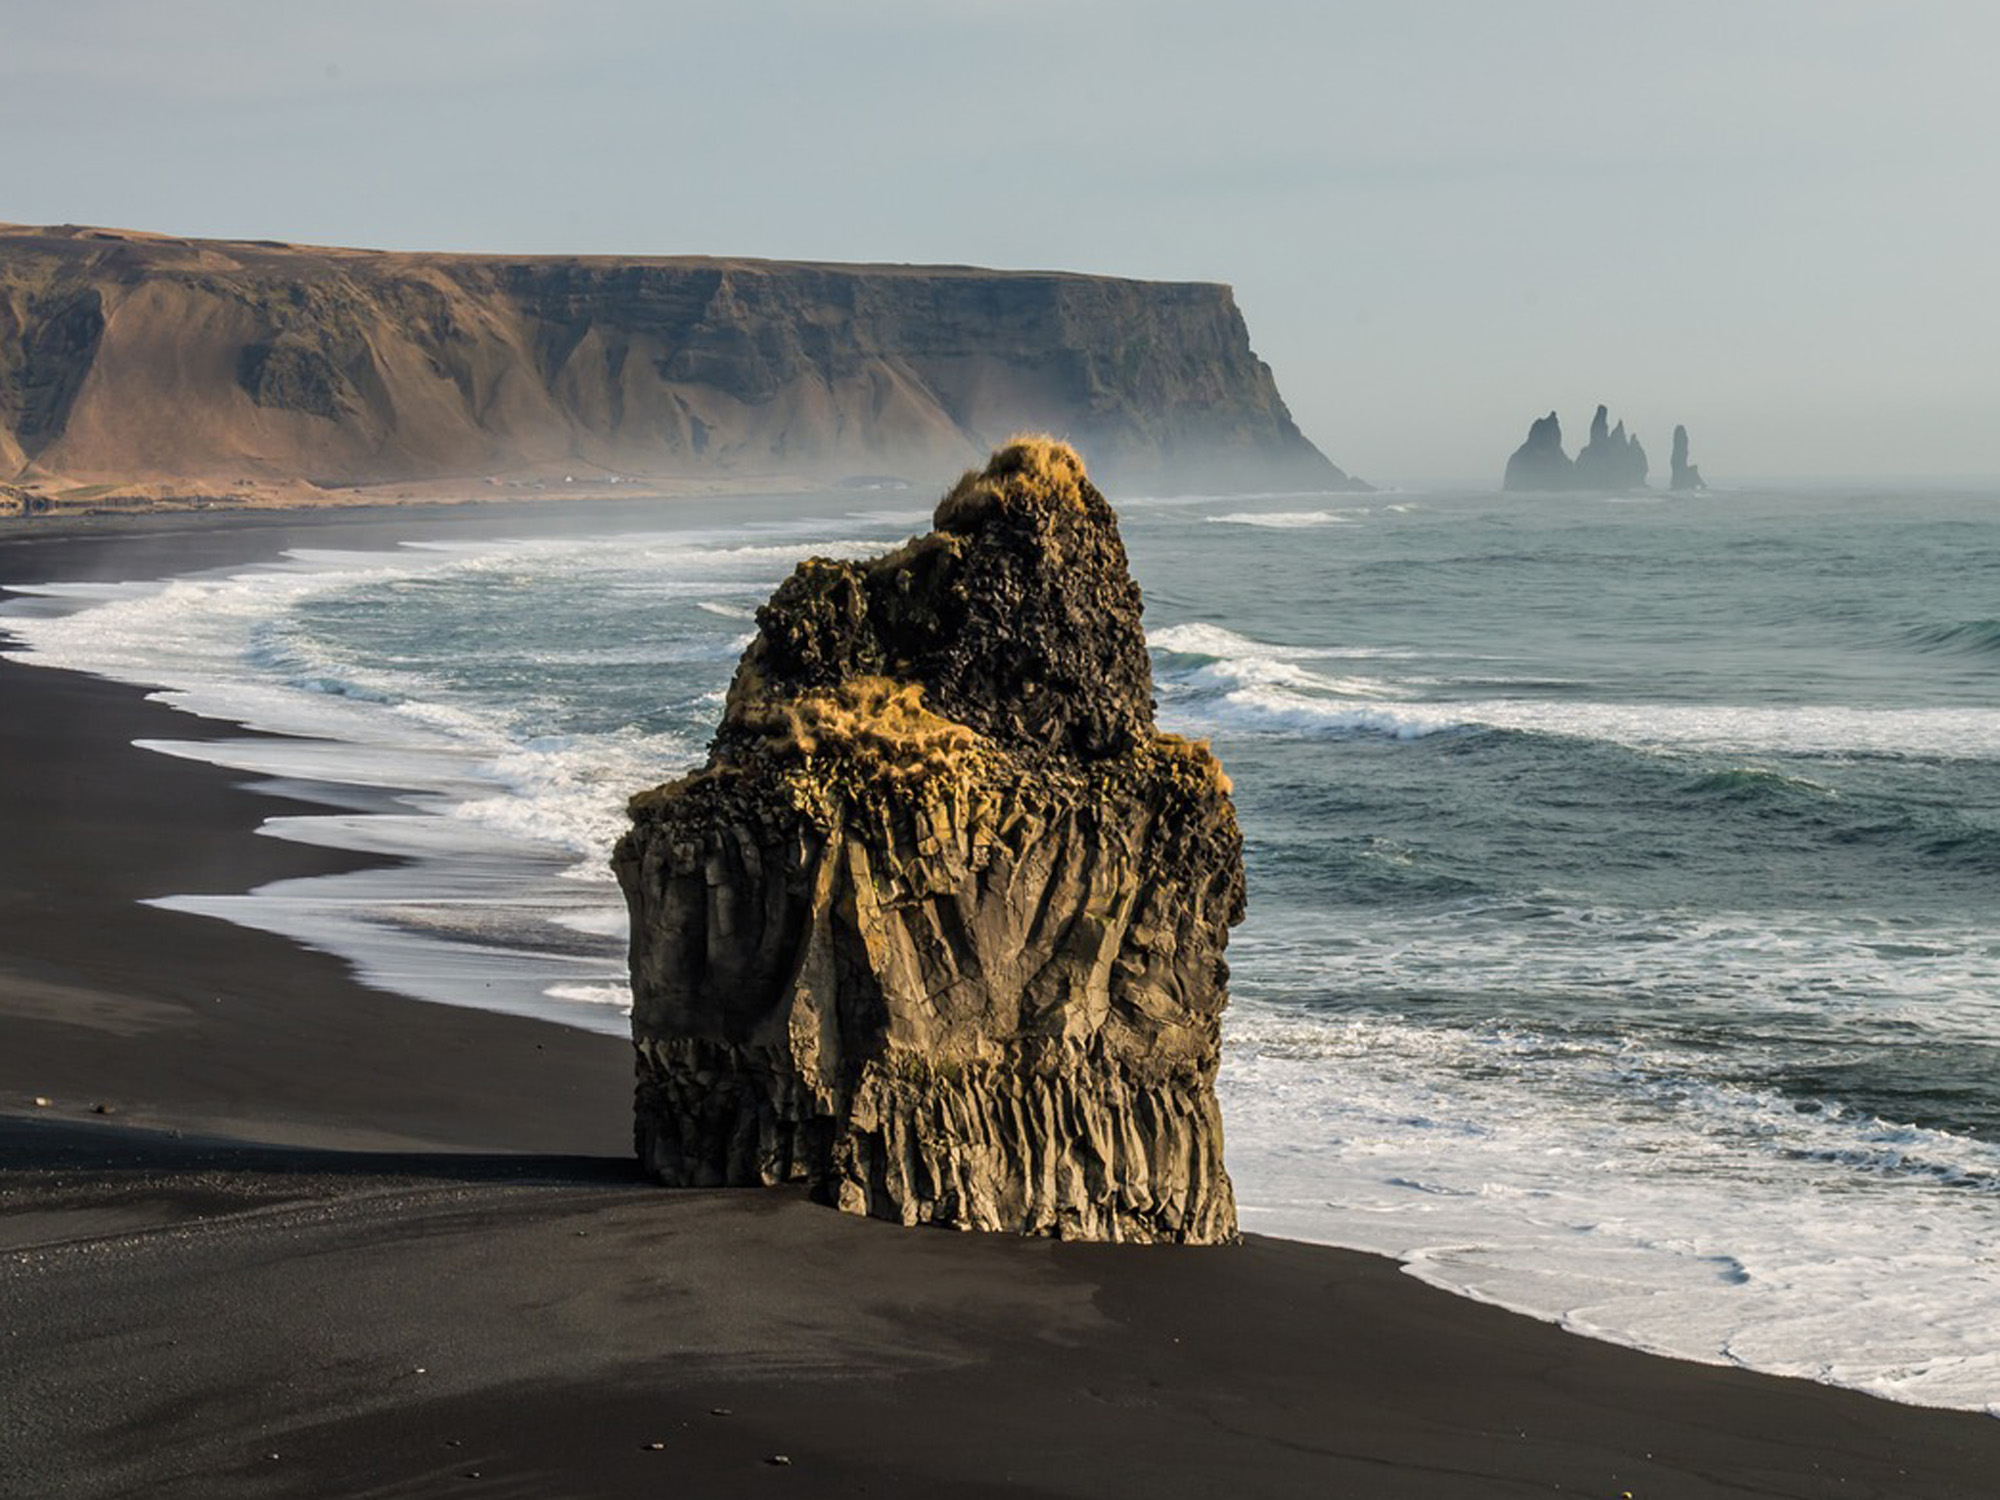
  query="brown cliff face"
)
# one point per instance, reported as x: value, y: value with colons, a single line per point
x: 140, y: 357
x: 939, y: 928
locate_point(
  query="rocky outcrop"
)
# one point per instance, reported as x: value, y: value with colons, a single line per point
x: 1540, y: 463
x: 130, y: 357
x: 939, y: 927
x: 1609, y: 462
x: 1685, y: 476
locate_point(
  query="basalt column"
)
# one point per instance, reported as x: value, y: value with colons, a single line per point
x: 939, y: 927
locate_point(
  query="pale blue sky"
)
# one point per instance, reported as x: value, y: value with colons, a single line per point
x: 1774, y: 220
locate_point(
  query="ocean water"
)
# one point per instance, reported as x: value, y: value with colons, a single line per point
x: 1622, y: 942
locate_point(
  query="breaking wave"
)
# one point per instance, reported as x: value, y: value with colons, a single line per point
x: 1966, y: 638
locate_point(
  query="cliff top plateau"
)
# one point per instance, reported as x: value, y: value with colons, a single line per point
x: 164, y: 365
x: 939, y: 928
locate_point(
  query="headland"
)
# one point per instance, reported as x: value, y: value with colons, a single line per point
x: 143, y: 370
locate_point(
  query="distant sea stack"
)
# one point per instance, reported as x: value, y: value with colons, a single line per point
x: 1686, y: 476
x: 939, y: 927
x: 133, y: 357
x: 1609, y: 462
x: 1540, y: 463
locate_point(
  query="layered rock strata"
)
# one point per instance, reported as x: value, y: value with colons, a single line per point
x: 134, y: 357
x: 939, y: 927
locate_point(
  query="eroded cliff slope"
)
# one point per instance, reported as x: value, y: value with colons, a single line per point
x: 127, y: 357
x: 939, y: 928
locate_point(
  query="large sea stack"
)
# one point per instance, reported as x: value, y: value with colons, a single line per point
x: 939, y: 927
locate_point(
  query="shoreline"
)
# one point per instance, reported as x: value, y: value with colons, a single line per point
x: 381, y: 1175
x: 231, y: 998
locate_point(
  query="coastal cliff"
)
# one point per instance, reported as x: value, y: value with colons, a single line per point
x: 939, y: 927
x: 132, y: 357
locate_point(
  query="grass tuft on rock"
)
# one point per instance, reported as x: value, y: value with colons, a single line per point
x: 1032, y: 469
x: 878, y: 725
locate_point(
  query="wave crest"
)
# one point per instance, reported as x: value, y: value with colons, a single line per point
x: 1961, y: 638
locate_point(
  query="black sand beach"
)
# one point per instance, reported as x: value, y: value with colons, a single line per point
x: 326, y: 1241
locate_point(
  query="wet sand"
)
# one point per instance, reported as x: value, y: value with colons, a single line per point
x: 400, y: 1245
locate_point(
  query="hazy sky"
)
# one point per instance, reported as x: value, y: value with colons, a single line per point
x: 1774, y: 220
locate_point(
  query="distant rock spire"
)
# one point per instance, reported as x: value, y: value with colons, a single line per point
x: 1610, y: 461
x: 1686, y: 476
x: 1540, y: 463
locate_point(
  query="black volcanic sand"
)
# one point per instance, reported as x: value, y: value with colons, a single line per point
x: 336, y: 1243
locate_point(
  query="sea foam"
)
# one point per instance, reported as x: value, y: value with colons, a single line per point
x: 1265, y: 690
x: 1539, y: 1097
x: 1578, y: 1180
